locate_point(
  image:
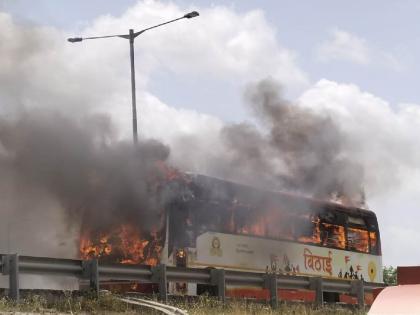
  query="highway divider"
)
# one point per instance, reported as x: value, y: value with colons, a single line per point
x: 91, y: 270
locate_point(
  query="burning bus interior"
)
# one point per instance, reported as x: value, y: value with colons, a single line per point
x: 125, y: 244
x: 220, y: 206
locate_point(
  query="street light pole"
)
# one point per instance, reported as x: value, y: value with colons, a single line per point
x: 131, y: 36
x: 133, y: 87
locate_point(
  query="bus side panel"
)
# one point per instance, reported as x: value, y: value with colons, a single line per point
x: 248, y: 253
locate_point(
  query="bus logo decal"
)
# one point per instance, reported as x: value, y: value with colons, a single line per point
x: 215, y: 249
x: 372, y: 270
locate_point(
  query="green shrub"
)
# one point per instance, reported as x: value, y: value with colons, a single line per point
x: 390, y: 275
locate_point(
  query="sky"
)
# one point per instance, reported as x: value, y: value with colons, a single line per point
x: 353, y: 61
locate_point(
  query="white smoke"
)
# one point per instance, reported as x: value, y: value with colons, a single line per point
x: 384, y: 139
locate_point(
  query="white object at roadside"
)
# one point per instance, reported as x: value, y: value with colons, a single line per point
x: 397, y: 300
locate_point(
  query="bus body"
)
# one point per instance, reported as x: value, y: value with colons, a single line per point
x: 220, y: 224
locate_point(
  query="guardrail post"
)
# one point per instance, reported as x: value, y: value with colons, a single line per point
x: 358, y: 289
x: 91, y: 272
x: 14, y: 277
x: 315, y: 283
x: 10, y: 267
x: 159, y: 276
x: 270, y: 283
x: 217, y: 278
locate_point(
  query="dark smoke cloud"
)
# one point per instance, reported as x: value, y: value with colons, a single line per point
x: 293, y: 149
x: 102, y: 182
x: 96, y: 179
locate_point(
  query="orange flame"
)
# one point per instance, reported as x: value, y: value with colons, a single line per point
x: 358, y: 239
x: 170, y: 173
x: 335, y: 235
x: 273, y: 224
x: 257, y: 228
x: 122, y: 244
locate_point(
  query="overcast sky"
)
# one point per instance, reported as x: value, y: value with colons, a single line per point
x: 355, y: 61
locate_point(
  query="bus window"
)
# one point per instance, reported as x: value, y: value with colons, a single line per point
x: 306, y: 229
x: 208, y: 217
x: 356, y: 221
x: 358, y: 240
x: 278, y: 225
x: 373, y: 243
x: 285, y: 229
x: 249, y: 221
x: 255, y: 229
x: 332, y: 235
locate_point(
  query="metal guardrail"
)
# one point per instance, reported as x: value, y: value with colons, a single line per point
x: 14, y: 265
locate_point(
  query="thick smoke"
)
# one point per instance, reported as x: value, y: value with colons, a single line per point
x: 293, y: 149
x: 94, y: 178
x: 58, y: 162
x: 369, y: 139
x: 60, y: 175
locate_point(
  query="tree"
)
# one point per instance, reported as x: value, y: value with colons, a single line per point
x: 390, y: 275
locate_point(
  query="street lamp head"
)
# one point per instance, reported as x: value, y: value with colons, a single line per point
x: 191, y: 15
x: 75, y: 39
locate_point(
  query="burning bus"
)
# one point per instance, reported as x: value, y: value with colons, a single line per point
x: 222, y: 224
x: 208, y: 222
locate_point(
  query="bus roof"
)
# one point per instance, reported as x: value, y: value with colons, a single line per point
x: 249, y: 192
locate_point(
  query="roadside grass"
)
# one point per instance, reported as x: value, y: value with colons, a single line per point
x: 68, y: 303
x: 211, y: 306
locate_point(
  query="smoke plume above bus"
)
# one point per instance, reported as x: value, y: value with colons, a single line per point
x: 291, y: 148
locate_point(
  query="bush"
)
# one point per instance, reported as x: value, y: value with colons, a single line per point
x: 390, y: 275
